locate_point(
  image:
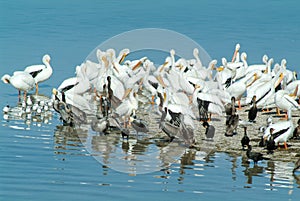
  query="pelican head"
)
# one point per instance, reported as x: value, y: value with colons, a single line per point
x: 237, y: 47
x: 265, y: 58
x: 244, y: 56
x: 196, y: 51
x: 172, y: 52
x: 213, y: 64
x: 54, y: 91
x: 295, y: 75
x: 46, y: 58
x: 5, y: 78
x: 283, y: 63
x: 124, y: 54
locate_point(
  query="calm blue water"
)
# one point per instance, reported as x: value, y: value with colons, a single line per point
x: 41, y: 162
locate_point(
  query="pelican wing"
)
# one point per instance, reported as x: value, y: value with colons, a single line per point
x: 34, y: 69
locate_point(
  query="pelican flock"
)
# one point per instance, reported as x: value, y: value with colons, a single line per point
x: 181, y: 93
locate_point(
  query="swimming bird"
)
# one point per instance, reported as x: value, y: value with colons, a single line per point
x: 297, y: 165
x: 255, y: 156
x: 252, y: 113
x: 20, y: 80
x: 245, y: 140
x: 40, y: 73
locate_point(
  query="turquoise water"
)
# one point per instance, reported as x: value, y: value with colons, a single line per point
x: 41, y: 161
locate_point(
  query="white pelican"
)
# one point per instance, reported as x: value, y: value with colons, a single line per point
x: 260, y: 67
x: 236, y: 56
x: 225, y: 75
x: 207, y: 103
x: 283, y: 131
x: 240, y: 71
x: 73, y: 99
x: 291, y: 87
x: 79, y: 84
x: 237, y: 89
x: 264, y: 91
x: 283, y: 100
x: 40, y: 73
x: 122, y: 54
x: 20, y: 80
x: 287, y: 73
x: 128, y: 107
x: 175, y: 107
x: 116, y: 85
x: 198, y: 63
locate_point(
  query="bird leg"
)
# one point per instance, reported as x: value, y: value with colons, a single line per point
x: 239, y: 104
x: 36, y: 89
x: 152, y: 99
x: 285, y: 146
x: 285, y: 117
x: 266, y: 110
x: 25, y: 96
x: 278, y: 112
x: 209, y: 118
x: 19, y: 96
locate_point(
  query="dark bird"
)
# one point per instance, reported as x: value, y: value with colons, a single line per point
x: 270, y: 143
x: 296, y: 133
x: 255, y: 156
x: 232, y: 118
x: 230, y: 108
x: 181, y: 131
x: 203, y: 109
x: 69, y: 114
x: 297, y: 165
x: 125, y: 133
x: 113, y: 100
x: 252, y: 113
x: 209, y: 130
x: 139, y: 125
x: 245, y: 140
x: 232, y: 125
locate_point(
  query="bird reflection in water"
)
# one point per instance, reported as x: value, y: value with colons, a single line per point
x: 68, y: 140
x: 35, y: 111
x: 249, y: 171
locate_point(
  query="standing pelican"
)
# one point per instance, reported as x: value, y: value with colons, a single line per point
x: 20, y: 80
x: 40, y: 73
x: 284, y: 101
x: 283, y: 131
